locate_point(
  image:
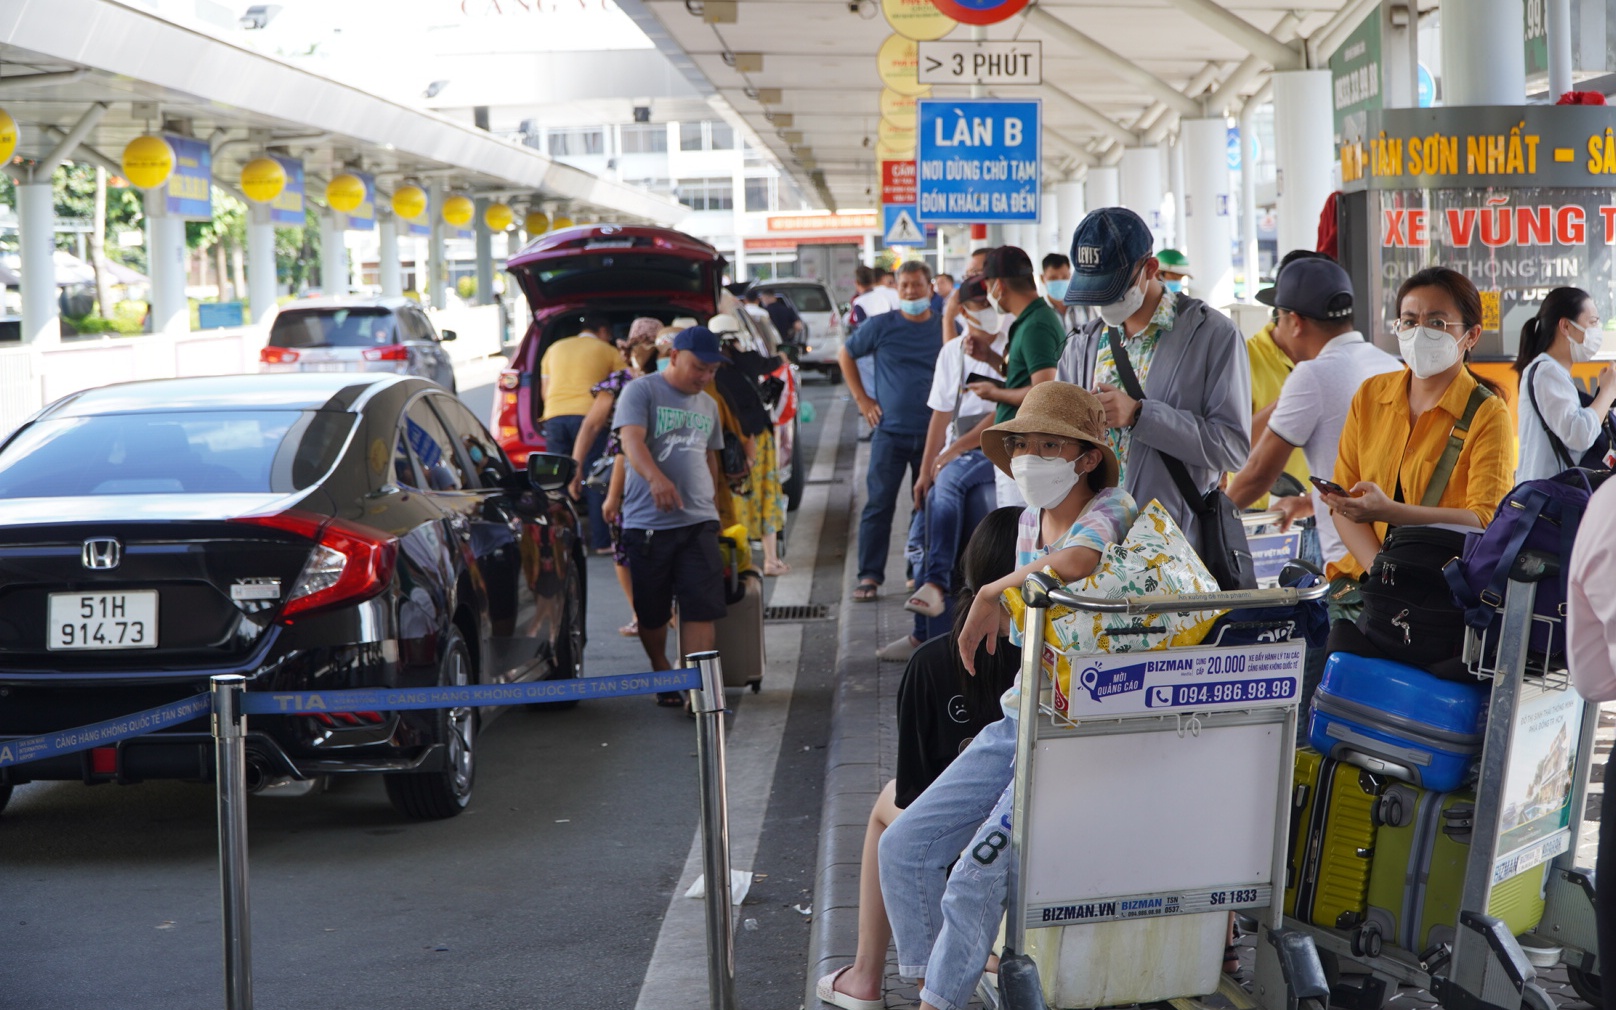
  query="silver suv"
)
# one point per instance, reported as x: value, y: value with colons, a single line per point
x: 823, y: 317
x: 358, y: 334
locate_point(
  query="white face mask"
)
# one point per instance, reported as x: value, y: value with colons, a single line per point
x: 1044, y: 483
x: 986, y: 320
x: 1592, y: 339
x: 1428, y: 351
x: 997, y: 305
x: 1118, y: 312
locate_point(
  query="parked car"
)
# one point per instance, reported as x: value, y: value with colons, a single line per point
x: 621, y: 272
x: 311, y: 532
x: 357, y: 333
x: 826, y: 321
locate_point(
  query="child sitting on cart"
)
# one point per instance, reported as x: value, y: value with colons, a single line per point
x: 945, y: 923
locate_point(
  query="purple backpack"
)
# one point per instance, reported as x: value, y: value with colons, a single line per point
x: 1538, y: 515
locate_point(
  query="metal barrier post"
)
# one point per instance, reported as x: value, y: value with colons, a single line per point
x: 708, y: 704
x: 230, y: 750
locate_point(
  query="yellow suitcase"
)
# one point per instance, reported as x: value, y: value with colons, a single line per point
x: 1332, y: 841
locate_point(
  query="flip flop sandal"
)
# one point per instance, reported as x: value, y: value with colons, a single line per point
x: 774, y: 571
x: 826, y: 991
x: 927, y: 601
x: 865, y: 592
x: 630, y: 630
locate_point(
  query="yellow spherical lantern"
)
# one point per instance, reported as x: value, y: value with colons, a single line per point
x: 561, y: 222
x: 345, y: 193
x: 458, y: 210
x: 536, y: 223
x: 148, y: 161
x: 262, y: 179
x: 409, y: 202
x: 8, y: 136
x: 498, y: 216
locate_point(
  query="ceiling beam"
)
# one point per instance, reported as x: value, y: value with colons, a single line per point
x: 1242, y: 33
x: 1099, y: 120
x: 1119, y: 66
x: 1227, y: 94
x: 1324, y: 41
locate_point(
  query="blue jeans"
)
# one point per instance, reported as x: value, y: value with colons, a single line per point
x: 945, y: 516
x: 559, y: 435
x: 945, y: 923
x: 890, y: 456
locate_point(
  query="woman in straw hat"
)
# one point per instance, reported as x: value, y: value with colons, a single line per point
x: 945, y: 923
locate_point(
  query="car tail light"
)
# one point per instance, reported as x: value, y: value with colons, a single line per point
x: 349, y: 562
x: 104, y: 760
x: 506, y: 430
x: 392, y: 352
x: 510, y: 379
x: 277, y: 356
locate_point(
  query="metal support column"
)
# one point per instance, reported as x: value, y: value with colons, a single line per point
x: 333, y: 253
x: 1102, y: 188
x: 261, y: 279
x: 36, y: 234
x: 1206, y: 207
x: 392, y: 278
x: 1140, y: 186
x: 436, y: 274
x: 1303, y: 155
x: 1049, y: 237
x: 1483, y: 61
x: 485, y: 256
x: 708, y: 706
x: 165, y: 247
x: 230, y: 769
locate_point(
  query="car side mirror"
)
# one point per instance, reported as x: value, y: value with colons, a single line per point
x: 446, y: 335
x: 550, y: 471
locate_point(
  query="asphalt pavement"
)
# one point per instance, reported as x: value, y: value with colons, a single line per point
x: 562, y: 885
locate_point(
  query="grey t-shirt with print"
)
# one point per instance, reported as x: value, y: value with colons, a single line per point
x: 679, y: 430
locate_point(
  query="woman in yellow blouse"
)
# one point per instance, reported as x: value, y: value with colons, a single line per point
x: 1400, y: 423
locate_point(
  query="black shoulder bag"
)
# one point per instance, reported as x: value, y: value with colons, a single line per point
x: 1223, y: 547
x: 1594, y: 458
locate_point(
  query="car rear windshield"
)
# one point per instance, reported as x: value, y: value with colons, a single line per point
x: 190, y: 452
x: 807, y: 299
x: 363, y: 327
x: 625, y: 273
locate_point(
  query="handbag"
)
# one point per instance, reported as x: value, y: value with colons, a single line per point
x: 599, y: 477
x: 1594, y: 458
x: 1223, y: 545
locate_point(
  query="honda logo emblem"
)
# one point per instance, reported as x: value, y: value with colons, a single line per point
x: 102, y: 553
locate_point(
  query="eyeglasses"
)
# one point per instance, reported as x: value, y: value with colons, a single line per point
x: 1398, y: 327
x: 1047, y: 447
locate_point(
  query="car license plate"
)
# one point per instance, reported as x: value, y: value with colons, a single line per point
x: 125, y: 620
x: 326, y: 366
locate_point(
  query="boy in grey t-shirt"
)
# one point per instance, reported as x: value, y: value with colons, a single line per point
x: 670, y: 435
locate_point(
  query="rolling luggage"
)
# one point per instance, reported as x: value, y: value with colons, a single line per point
x: 1417, y: 873
x: 1332, y: 840
x: 739, y: 635
x: 1398, y: 720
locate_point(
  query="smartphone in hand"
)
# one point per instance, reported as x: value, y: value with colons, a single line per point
x: 979, y: 377
x: 1331, y: 487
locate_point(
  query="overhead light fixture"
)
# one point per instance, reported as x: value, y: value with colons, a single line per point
x: 258, y: 16
x: 767, y: 96
x: 642, y: 113
x: 434, y: 89
x: 781, y: 119
x: 719, y: 12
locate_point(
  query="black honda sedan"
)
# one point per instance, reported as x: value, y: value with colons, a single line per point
x: 311, y: 531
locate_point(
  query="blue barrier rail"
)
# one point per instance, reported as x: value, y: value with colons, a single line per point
x: 21, y: 750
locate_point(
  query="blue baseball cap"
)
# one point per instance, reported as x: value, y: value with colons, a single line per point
x: 701, y: 342
x: 1105, y: 248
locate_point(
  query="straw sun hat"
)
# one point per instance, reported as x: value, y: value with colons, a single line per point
x: 1061, y: 409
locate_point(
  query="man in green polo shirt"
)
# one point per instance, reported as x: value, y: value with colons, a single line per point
x: 1036, y: 340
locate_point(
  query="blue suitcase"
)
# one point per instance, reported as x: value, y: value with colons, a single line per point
x: 1399, y: 721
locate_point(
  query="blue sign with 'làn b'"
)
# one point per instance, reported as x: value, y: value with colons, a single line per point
x: 978, y: 160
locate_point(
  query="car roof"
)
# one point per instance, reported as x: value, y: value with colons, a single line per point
x: 573, y: 241
x: 282, y: 391
x: 394, y: 302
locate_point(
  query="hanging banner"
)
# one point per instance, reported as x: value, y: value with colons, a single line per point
x: 917, y: 19
x: 900, y: 108
x: 898, y: 183
x: 287, y: 209
x: 980, y: 160
x: 363, y: 217
x: 190, y: 187
x: 898, y: 63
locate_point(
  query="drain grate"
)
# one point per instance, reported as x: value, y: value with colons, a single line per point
x: 812, y: 612
x: 825, y: 480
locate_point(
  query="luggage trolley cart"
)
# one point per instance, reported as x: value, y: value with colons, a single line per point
x: 1529, y: 799
x: 1152, y: 807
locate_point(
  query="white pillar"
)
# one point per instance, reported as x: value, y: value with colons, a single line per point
x: 1483, y: 61
x: 1304, y: 148
x: 435, y: 272
x: 333, y: 254
x: 1206, y: 199
x: 1140, y: 186
x: 165, y: 246
x: 1175, y: 182
x: 1069, y: 212
x: 484, y: 244
x: 392, y: 278
x: 1250, y: 251
x: 1559, y: 37
x: 261, y: 284
x: 1049, y: 222
x: 1102, y: 188
x: 36, y: 234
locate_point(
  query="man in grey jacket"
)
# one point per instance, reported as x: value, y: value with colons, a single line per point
x: 1189, y: 358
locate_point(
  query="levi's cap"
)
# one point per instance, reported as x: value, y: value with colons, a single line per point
x: 1105, y: 248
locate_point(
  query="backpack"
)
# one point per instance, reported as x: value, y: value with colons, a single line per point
x: 1409, y: 615
x: 1538, y: 515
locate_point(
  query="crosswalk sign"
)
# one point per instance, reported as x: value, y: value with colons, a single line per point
x: 900, y: 226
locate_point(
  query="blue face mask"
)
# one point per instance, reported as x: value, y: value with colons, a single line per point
x: 1057, y: 289
x: 663, y: 363
x: 1174, y: 286
x: 915, y: 308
